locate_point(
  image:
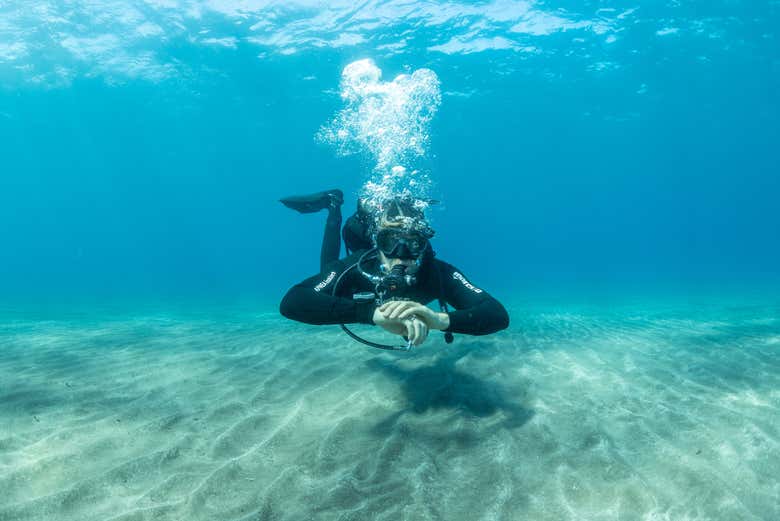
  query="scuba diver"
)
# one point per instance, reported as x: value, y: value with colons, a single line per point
x: 388, y: 277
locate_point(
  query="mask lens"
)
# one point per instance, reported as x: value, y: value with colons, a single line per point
x: 415, y: 244
x: 390, y: 242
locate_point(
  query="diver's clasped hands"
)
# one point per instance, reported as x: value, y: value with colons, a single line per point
x: 403, y: 309
x: 409, y: 319
x: 411, y: 328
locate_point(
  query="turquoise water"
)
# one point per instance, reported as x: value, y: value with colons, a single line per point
x: 608, y: 170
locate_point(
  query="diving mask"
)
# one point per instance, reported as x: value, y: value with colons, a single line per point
x: 398, y: 244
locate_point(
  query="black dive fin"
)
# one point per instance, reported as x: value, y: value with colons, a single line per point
x: 313, y: 202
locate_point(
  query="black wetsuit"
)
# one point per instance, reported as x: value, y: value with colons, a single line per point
x: 311, y: 301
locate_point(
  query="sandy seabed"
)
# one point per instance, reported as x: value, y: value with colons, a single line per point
x: 646, y: 413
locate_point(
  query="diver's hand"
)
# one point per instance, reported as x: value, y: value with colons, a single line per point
x: 395, y: 326
x: 416, y: 330
x: 394, y: 308
x: 411, y: 328
x: 403, y: 309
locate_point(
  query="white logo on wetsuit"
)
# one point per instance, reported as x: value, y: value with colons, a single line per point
x: 324, y: 283
x: 458, y: 276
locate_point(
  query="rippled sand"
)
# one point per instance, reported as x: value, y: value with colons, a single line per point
x: 643, y: 413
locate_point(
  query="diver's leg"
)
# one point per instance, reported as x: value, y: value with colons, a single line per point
x: 356, y: 230
x: 331, y: 238
x: 332, y: 200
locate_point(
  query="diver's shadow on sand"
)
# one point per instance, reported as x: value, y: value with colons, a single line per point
x: 444, y: 386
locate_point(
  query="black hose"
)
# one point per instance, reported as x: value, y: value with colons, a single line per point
x: 386, y: 347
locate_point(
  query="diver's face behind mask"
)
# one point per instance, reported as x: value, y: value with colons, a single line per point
x: 398, y: 244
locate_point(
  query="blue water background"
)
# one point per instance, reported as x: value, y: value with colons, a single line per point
x: 643, y: 163
x: 608, y: 170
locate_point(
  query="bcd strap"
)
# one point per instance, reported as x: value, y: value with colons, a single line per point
x: 448, y: 336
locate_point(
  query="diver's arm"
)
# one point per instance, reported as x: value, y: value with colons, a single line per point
x: 311, y: 301
x: 476, y: 312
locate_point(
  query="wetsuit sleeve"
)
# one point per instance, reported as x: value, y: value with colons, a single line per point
x: 311, y: 301
x: 476, y: 312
